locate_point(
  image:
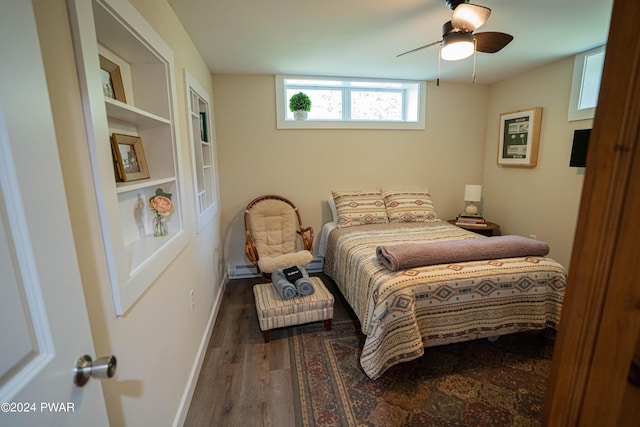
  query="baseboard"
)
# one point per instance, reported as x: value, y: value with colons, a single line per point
x: 185, y: 402
x: 225, y: 281
x: 242, y: 271
x: 249, y: 270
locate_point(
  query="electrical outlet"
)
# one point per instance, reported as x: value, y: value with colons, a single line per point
x: 192, y: 299
x: 533, y: 236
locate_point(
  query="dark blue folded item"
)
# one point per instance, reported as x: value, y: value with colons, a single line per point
x: 286, y: 289
x: 304, y: 285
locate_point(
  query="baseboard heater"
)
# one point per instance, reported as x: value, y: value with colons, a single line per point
x: 249, y: 270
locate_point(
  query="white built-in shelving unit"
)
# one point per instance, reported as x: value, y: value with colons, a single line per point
x: 117, y: 31
x: 203, y: 151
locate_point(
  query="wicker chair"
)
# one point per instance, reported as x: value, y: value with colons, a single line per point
x: 274, y: 232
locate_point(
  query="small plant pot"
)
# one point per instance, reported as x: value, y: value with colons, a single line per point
x: 300, y: 115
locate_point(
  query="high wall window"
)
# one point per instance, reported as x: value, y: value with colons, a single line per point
x: 353, y: 103
x: 585, y: 86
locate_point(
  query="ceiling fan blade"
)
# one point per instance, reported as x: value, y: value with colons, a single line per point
x: 492, y: 42
x: 469, y: 17
x: 419, y: 48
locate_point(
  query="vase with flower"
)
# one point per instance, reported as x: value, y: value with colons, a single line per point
x: 162, y: 206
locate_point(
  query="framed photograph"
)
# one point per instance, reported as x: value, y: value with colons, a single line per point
x: 129, y: 157
x: 519, y: 137
x: 112, y: 86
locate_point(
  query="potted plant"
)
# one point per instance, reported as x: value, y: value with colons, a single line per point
x: 300, y: 105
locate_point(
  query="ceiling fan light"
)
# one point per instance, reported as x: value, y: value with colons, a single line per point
x: 470, y: 17
x: 456, y: 46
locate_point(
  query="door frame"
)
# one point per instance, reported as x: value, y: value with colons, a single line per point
x: 601, y: 311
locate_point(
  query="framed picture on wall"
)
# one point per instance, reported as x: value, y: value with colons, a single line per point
x: 519, y: 137
x: 129, y: 157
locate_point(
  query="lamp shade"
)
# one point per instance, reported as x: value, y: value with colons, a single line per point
x: 472, y: 193
x: 456, y: 46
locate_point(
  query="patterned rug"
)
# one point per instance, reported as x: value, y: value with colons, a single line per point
x: 475, y: 383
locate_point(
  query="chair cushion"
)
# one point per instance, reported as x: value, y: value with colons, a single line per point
x: 273, y: 226
x: 269, y: 264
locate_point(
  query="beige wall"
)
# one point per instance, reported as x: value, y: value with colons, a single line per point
x: 157, y: 341
x: 458, y: 146
x: 544, y: 200
x: 305, y: 165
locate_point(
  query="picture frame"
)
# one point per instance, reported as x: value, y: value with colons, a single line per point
x: 128, y: 154
x: 111, y: 77
x: 519, y: 137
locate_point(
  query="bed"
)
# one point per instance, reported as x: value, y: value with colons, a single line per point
x: 402, y: 312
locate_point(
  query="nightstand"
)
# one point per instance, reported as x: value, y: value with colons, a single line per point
x: 490, y: 229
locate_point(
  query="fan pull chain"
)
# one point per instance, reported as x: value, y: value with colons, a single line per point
x: 439, y: 55
x: 475, y: 51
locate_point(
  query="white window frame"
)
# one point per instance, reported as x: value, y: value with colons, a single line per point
x: 203, y: 153
x: 282, y: 105
x: 577, y: 85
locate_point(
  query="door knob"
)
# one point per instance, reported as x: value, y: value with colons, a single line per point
x: 85, y: 368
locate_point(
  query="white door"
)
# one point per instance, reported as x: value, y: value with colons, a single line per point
x: 44, y: 327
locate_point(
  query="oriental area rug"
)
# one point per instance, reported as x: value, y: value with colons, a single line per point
x: 476, y: 383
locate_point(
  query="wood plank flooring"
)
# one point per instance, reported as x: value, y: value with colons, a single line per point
x: 243, y: 381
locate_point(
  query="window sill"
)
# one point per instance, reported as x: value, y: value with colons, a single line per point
x: 336, y: 124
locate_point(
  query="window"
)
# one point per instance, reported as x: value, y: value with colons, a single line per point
x: 353, y: 103
x: 203, y: 145
x: 585, y: 87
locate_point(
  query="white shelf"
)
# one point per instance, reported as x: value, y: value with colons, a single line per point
x: 125, y: 113
x: 134, y: 257
x: 144, y: 249
x: 124, y: 187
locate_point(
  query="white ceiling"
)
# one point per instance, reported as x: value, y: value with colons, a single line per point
x: 361, y: 38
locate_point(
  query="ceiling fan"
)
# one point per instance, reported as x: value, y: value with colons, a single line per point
x: 459, y: 41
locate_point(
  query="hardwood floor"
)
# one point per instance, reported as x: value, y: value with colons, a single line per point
x: 243, y: 381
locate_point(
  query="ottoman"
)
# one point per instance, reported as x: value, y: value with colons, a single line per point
x: 274, y: 312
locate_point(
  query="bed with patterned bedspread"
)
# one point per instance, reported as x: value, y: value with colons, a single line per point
x: 401, y: 312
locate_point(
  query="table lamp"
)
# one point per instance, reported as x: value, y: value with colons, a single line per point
x: 472, y: 193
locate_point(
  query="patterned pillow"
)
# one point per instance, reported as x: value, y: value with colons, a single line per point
x: 409, y: 206
x: 359, y: 207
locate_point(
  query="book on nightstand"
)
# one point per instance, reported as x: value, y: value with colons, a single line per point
x: 472, y: 220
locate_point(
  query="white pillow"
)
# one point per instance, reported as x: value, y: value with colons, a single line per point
x: 332, y: 206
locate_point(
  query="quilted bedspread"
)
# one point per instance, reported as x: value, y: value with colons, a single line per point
x: 401, y: 312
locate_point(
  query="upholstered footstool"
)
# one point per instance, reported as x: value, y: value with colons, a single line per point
x: 274, y: 312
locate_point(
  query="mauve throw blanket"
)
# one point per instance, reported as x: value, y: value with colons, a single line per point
x: 410, y: 255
